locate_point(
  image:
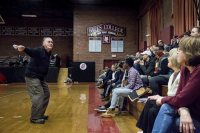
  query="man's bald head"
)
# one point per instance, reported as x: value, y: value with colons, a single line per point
x: 47, y: 43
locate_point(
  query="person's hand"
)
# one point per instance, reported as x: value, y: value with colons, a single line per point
x: 186, y: 124
x: 15, y: 46
x: 141, y: 62
x: 137, y: 61
x: 113, y: 84
x: 157, y: 98
x: 109, y: 81
x: 125, y: 82
x: 154, y: 97
x: 158, y: 101
x: 20, y: 48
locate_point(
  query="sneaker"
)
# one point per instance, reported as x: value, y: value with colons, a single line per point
x: 99, y: 83
x: 123, y: 112
x: 45, y: 117
x: 102, y: 96
x: 100, y: 86
x: 101, y: 109
x: 37, y: 121
x: 106, y: 98
x: 110, y: 113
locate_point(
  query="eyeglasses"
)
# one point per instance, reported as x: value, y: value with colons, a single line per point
x: 50, y: 41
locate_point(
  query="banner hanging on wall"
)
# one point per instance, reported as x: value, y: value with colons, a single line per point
x: 106, y: 29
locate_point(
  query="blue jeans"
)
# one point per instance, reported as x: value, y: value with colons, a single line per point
x: 117, y: 95
x: 167, y: 121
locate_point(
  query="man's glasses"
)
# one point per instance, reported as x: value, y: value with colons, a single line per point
x: 50, y: 41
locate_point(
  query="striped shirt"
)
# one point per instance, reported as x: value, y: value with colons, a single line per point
x: 134, y: 79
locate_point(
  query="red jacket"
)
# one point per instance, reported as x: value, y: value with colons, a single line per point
x: 188, y: 92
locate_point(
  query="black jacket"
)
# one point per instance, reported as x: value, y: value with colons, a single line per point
x: 120, y: 77
x: 149, y: 67
x: 117, y: 76
x: 39, y: 62
x: 108, y: 76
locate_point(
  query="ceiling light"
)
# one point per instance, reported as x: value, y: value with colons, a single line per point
x: 147, y: 35
x: 1, y: 20
x: 29, y: 15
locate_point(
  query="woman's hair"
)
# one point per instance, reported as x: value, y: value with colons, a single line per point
x: 173, y: 54
x: 191, y: 47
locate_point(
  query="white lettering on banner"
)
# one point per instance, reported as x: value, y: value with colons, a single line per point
x: 107, y: 28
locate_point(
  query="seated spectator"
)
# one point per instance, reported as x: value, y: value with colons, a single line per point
x: 195, y: 31
x: 134, y: 82
x: 20, y: 60
x: 155, y: 83
x: 161, y: 63
x: 112, y: 86
x: 25, y: 60
x: 154, y: 49
x: 173, y: 44
x: 136, y: 64
x: 115, y: 81
x: 161, y: 45
x: 150, y: 110
x: 147, y: 66
x: 162, y: 72
x: 102, y: 76
x: 181, y: 113
x: 109, y: 81
x: 187, y: 34
x: 106, y: 78
x: 55, y: 60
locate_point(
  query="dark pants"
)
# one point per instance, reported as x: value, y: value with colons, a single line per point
x: 148, y: 116
x: 156, y: 83
x: 39, y: 93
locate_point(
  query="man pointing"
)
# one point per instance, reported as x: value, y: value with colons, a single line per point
x: 35, y: 74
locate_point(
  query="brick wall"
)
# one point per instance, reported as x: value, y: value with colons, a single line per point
x: 86, y: 17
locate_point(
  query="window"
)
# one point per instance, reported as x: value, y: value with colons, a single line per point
x: 95, y: 44
x: 117, y: 45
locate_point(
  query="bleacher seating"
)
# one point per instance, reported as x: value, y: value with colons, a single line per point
x: 4, y: 61
x: 135, y: 108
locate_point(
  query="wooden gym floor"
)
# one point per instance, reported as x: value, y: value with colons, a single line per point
x: 67, y: 112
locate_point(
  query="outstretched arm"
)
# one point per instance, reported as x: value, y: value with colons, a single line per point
x: 30, y: 52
